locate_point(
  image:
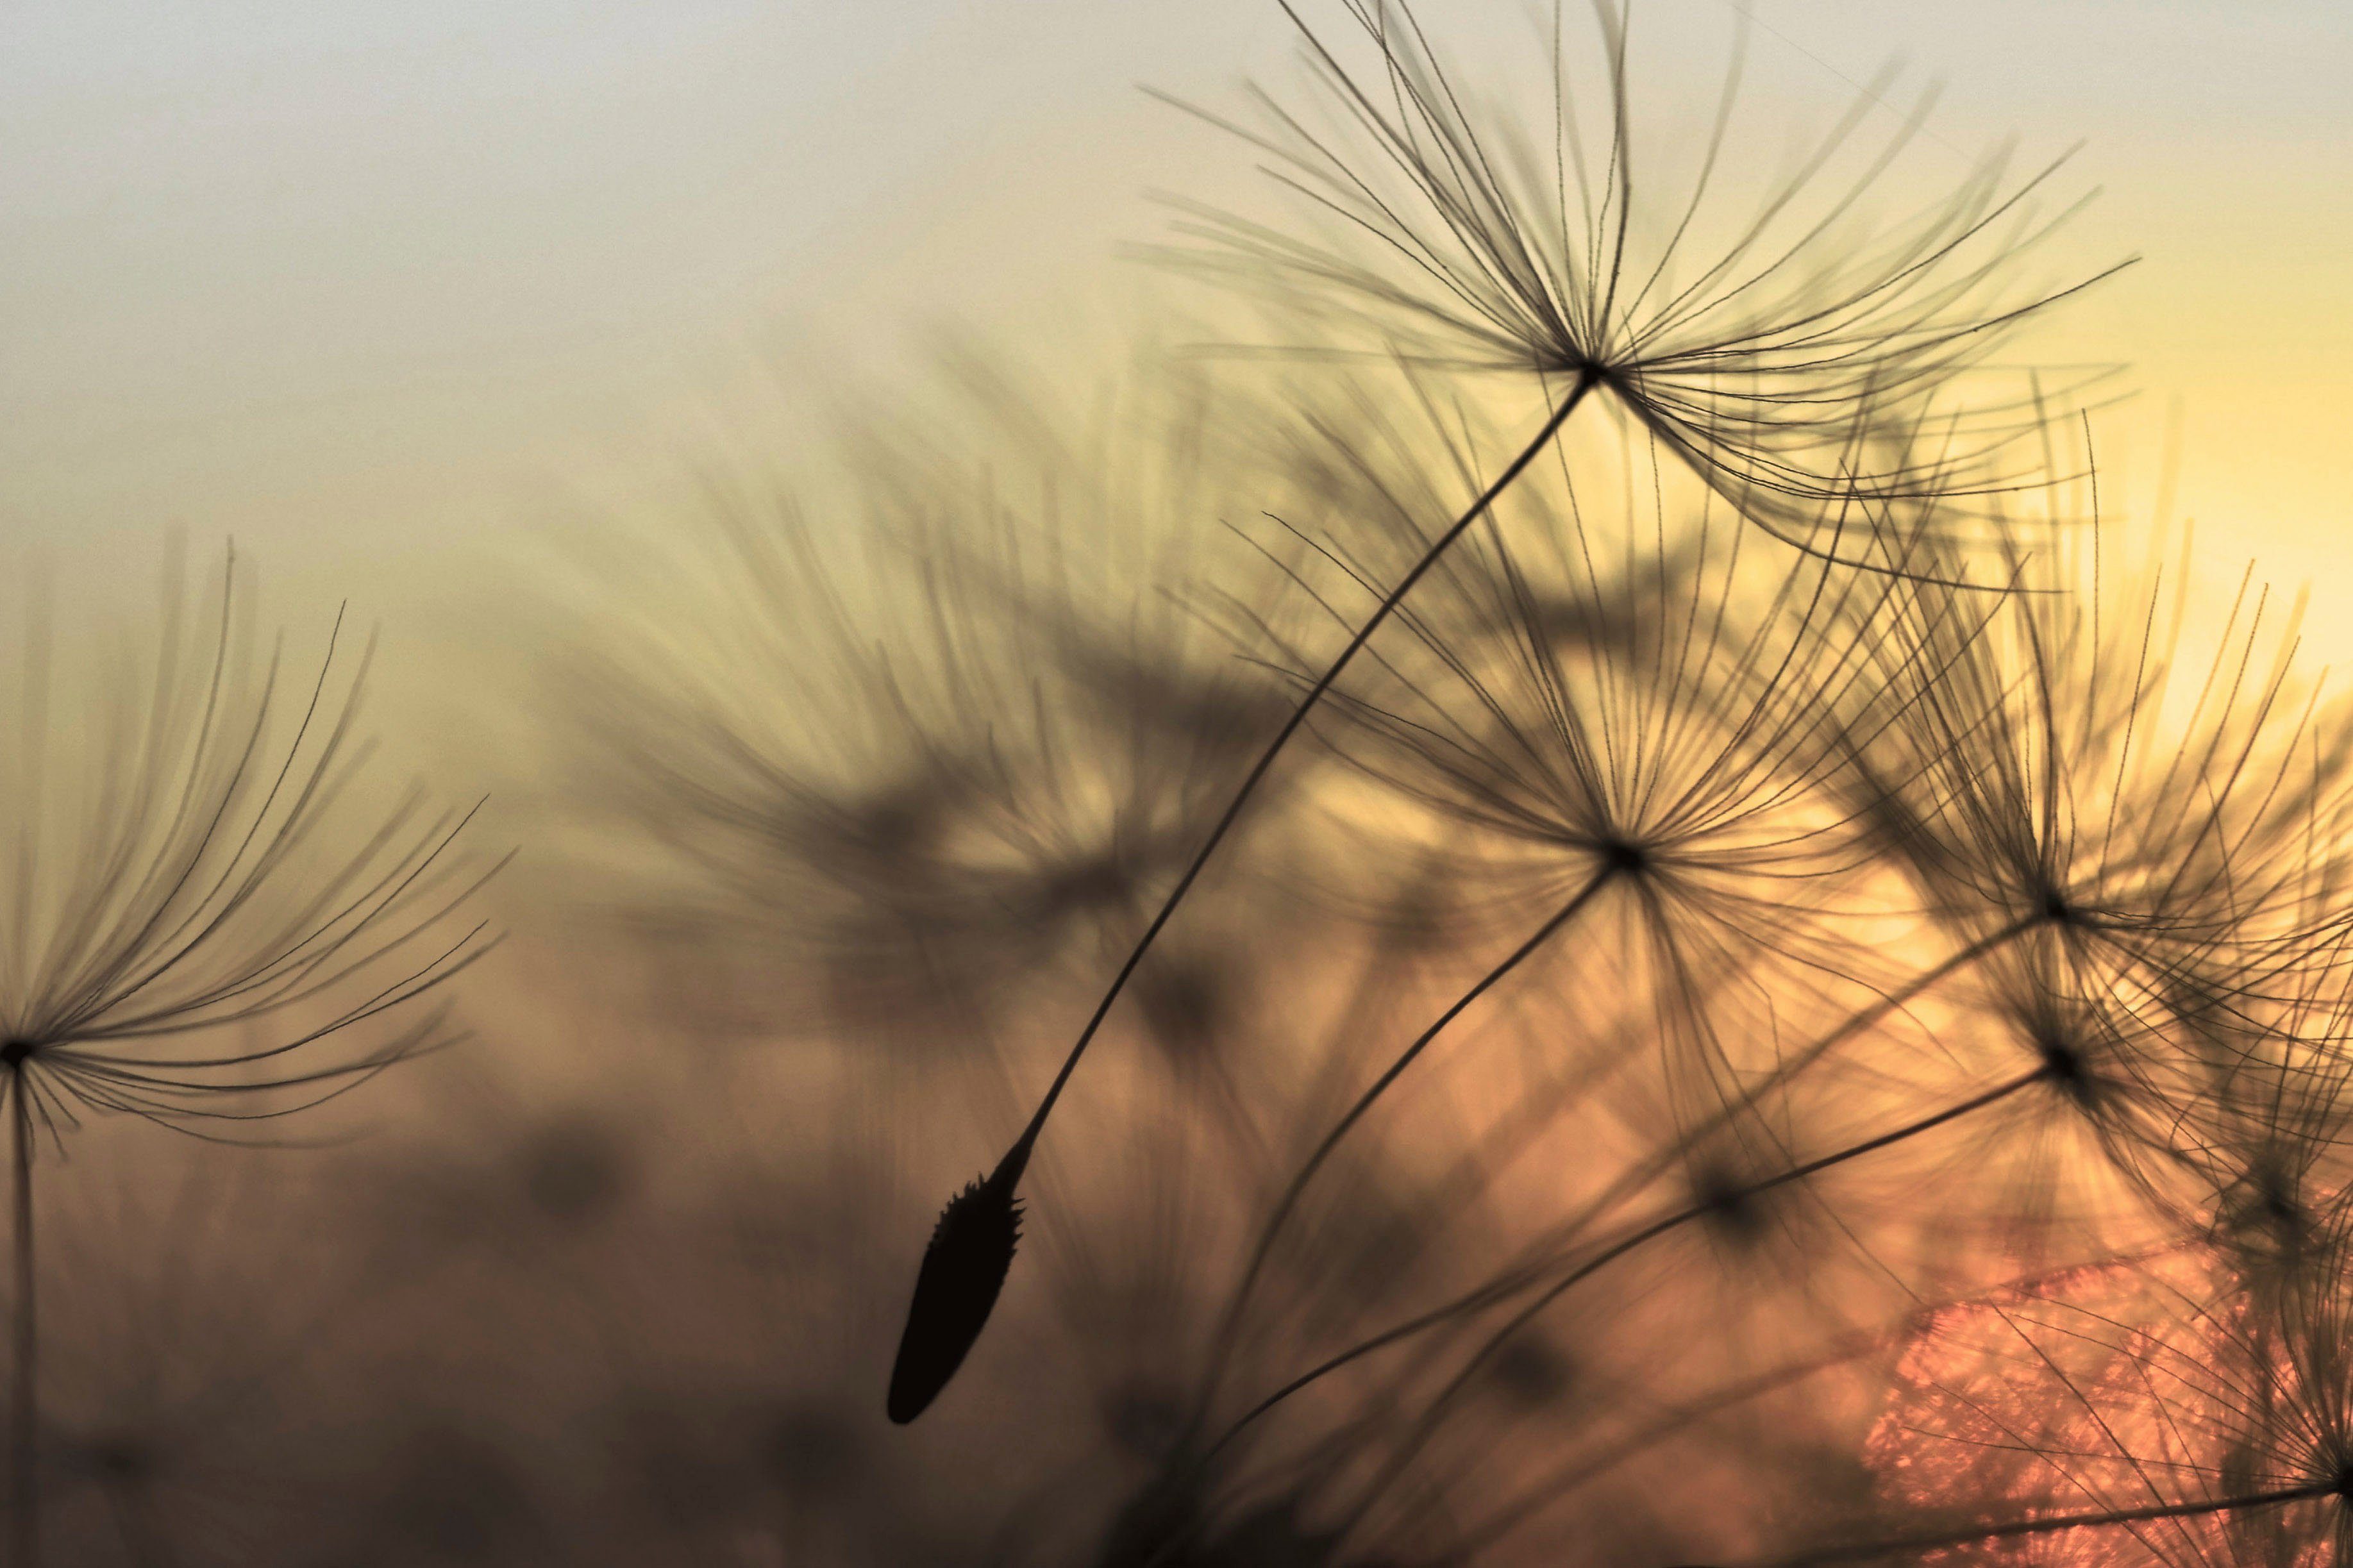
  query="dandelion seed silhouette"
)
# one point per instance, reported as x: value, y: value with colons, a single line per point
x: 2064, y: 1063
x: 1624, y: 857
x: 964, y: 1269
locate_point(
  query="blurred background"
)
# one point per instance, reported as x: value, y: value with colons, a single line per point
x: 426, y: 304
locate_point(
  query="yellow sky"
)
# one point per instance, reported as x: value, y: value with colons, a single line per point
x: 380, y: 289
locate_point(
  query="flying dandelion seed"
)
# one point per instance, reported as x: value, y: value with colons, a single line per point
x: 1763, y: 370
x: 1742, y: 325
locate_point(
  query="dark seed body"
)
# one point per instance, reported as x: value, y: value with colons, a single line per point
x: 963, y: 1270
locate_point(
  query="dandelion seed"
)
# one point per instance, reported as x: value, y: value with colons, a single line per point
x: 1476, y: 248
x: 1802, y: 357
x: 166, y: 953
x: 964, y: 1269
x: 2075, y: 775
x: 952, y: 767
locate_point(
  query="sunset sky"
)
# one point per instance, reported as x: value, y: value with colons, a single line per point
x: 368, y: 285
x: 1699, y: 1050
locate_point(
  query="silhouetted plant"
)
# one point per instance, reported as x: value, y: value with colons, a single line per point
x: 182, y: 944
x: 943, y: 818
x: 1794, y: 1009
x: 1765, y: 373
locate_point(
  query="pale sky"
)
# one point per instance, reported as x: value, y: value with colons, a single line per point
x: 370, y: 285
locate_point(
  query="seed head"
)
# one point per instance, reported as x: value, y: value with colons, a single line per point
x: 963, y: 1270
x: 1743, y: 335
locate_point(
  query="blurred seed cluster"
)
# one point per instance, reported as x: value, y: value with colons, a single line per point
x: 1695, y: 958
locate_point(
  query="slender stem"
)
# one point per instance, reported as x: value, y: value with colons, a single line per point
x: 1428, y: 1424
x: 24, y: 1484
x: 1519, y: 1279
x: 1616, y: 1447
x: 1018, y: 1155
x: 1228, y: 1323
x: 2105, y: 1518
x: 1619, y: 1447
